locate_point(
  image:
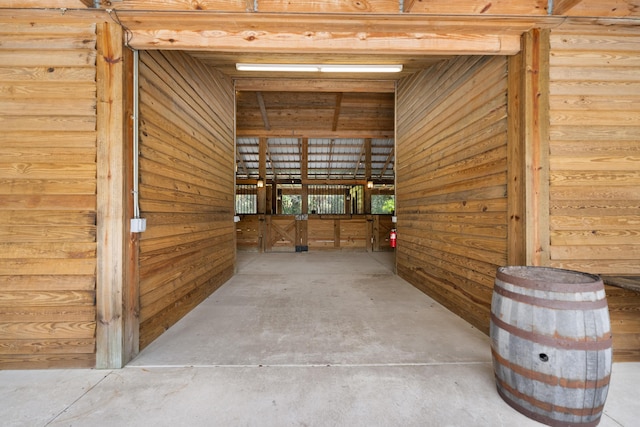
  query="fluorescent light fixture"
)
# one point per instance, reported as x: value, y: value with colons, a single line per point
x: 322, y: 68
x: 364, y: 68
x: 278, y: 67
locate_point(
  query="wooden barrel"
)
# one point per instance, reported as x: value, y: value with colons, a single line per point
x: 551, y: 344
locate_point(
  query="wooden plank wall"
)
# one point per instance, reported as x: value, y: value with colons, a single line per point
x: 451, y: 182
x: 595, y: 151
x: 334, y: 233
x: 326, y: 232
x: 248, y: 232
x: 594, y: 162
x: 354, y: 233
x: 382, y: 226
x: 186, y: 187
x: 47, y: 195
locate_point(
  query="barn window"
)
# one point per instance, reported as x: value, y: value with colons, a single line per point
x: 246, y: 199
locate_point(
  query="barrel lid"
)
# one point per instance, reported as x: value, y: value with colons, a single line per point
x: 549, y: 278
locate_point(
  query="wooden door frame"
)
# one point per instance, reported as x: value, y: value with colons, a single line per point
x: 117, y: 284
x: 116, y: 271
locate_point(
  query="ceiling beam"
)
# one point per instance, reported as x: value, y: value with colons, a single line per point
x: 561, y: 7
x: 312, y: 24
x: 408, y: 5
x: 313, y: 85
x: 268, y: 155
x: 263, y: 111
x: 336, y: 113
x: 388, y: 162
x: 374, y: 34
x: 240, y: 159
x: 313, y: 133
x: 362, y: 150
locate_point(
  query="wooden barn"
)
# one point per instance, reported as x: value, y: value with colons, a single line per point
x: 511, y: 135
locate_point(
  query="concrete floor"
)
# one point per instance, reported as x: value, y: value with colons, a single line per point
x: 306, y: 339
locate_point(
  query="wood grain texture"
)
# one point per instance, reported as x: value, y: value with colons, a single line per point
x: 594, y: 163
x: 48, y: 195
x: 624, y: 311
x: 337, y: 6
x: 186, y: 187
x: 451, y: 182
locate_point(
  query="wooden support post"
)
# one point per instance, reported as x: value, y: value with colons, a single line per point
x: 274, y: 197
x: 347, y: 201
x: 278, y: 200
x: 262, y: 172
x: 304, y: 173
x: 516, y: 231
x: 370, y: 236
x: 262, y: 233
x: 268, y: 234
x: 336, y: 233
x: 111, y: 199
x: 132, y: 288
x: 376, y: 233
x: 536, y: 48
x: 367, y: 165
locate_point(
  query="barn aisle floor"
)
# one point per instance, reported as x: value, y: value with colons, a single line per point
x: 305, y: 339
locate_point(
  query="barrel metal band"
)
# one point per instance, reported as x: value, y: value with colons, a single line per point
x: 563, y: 343
x: 551, y: 303
x: 554, y: 287
x: 552, y: 380
x: 503, y: 388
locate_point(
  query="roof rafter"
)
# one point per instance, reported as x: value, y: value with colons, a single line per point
x: 336, y: 113
x: 263, y: 110
x: 388, y: 162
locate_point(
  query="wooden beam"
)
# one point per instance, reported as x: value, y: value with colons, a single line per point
x: 516, y: 220
x: 561, y: 7
x: 312, y: 85
x: 311, y: 133
x: 408, y: 5
x: 262, y: 172
x: 111, y: 199
x: 536, y: 144
x: 387, y: 162
x: 304, y: 173
x: 367, y: 167
x: 371, y: 34
x: 263, y: 110
x: 471, y: 7
x: 241, y: 161
x: 321, y: 181
x: 316, y: 25
x: 362, y: 151
x: 131, y: 293
x: 336, y: 113
x: 331, y: 145
x: 273, y: 168
x: 367, y: 157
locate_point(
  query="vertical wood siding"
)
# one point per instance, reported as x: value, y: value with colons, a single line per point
x: 47, y: 195
x: 594, y: 185
x: 186, y: 187
x: 452, y: 182
x: 595, y: 151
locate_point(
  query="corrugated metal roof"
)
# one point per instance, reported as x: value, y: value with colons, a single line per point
x: 339, y: 158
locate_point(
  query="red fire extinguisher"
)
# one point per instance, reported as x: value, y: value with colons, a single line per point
x: 393, y: 236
